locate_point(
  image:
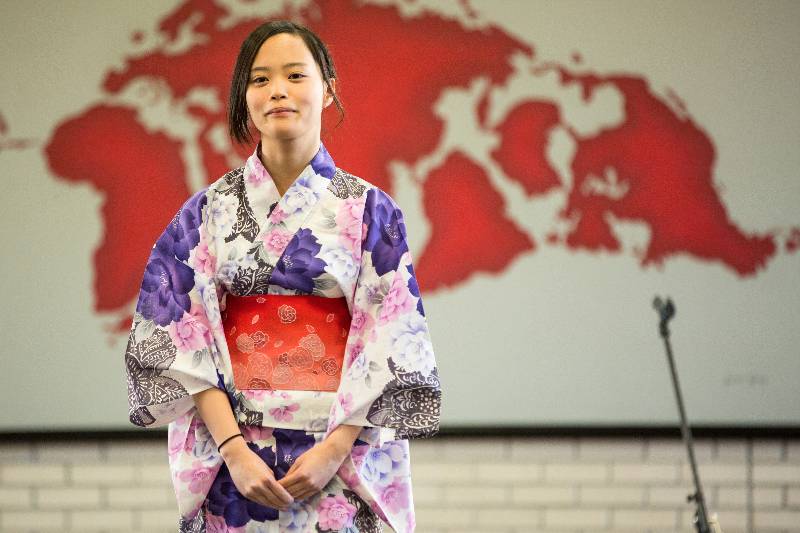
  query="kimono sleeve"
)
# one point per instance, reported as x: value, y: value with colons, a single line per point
x: 390, y: 379
x: 171, y: 352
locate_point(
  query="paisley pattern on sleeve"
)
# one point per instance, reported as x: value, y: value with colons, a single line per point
x: 410, y: 403
x: 145, y: 362
x: 170, y: 347
x: 390, y: 378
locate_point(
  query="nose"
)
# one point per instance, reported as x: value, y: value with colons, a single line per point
x: 278, y: 90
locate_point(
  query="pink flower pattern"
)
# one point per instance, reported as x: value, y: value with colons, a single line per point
x: 198, y: 476
x: 278, y: 215
x: 257, y: 174
x: 335, y: 513
x: 346, y: 401
x: 284, y: 413
x: 353, y: 352
x: 216, y: 524
x: 192, y: 332
x: 277, y: 240
x: 257, y: 395
x: 361, y: 322
x: 181, y: 438
x: 395, y: 496
x: 397, y: 301
x: 348, y: 219
x: 204, y: 263
x: 256, y: 433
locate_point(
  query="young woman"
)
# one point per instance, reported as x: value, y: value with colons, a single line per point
x: 279, y: 329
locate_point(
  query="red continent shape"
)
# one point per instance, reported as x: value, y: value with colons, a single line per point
x: 667, y: 163
x: 393, y: 120
x: 469, y: 231
x: 523, y: 141
x: 390, y: 76
x: 142, y: 180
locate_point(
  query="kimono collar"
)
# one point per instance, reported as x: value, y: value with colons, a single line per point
x: 321, y: 164
x: 285, y: 214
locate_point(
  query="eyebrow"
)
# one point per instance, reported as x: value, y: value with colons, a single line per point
x: 287, y: 65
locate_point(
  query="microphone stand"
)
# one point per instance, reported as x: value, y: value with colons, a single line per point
x: 666, y: 310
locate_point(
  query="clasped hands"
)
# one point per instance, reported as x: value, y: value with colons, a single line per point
x: 308, y: 474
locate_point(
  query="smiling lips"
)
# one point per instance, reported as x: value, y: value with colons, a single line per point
x: 279, y: 110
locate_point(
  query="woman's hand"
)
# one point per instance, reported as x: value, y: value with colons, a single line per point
x: 252, y: 477
x: 314, y: 469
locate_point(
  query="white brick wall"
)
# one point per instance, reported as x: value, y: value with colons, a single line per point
x: 475, y: 485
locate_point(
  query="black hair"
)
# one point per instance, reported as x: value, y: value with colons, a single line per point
x: 237, y: 104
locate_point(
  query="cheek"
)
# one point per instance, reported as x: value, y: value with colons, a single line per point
x: 252, y: 100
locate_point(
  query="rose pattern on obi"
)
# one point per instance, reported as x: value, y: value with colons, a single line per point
x: 331, y: 235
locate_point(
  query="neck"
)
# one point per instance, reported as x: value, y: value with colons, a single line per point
x: 285, y: 159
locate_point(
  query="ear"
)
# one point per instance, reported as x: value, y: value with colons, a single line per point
x: 329, y: 92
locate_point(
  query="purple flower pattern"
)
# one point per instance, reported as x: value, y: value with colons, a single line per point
x: 322, y: 163
x: 167, y: 279
x: 299, y: 264
x: 386, y: 231
x: 382, y: 465
x: 413, y: 288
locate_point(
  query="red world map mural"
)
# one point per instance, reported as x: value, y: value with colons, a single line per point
x: 393, y: 70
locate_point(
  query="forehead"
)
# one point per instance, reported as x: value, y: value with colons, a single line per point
x: 281, y: 49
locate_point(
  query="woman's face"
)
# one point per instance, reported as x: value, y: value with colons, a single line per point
x: 284, y: 75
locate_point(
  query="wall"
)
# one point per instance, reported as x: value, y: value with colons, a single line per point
x: 108, y: 143
x: 498, y: 485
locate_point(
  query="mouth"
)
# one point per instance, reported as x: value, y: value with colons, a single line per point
x: 280, y: 111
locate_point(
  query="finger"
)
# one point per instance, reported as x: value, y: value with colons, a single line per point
x: 306, y: 494
x: 277, y: 495
x: 280, y: 493
x: 297, y: 489
x: 292, y: 481
x: 263, y: 496
x: 302, y: 488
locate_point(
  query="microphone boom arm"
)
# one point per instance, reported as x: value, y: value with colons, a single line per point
x: 666, y: 311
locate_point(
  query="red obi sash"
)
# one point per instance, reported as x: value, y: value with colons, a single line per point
x: 286, y: 342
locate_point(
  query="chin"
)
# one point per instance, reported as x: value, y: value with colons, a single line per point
x: 287, y: 134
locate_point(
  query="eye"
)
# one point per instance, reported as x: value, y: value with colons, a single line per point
x: 296, y: 76
x: 258, y: 80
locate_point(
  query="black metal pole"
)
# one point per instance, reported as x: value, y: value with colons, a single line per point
x: 666, y: 311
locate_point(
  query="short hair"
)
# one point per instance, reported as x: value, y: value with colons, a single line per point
x: 237, y: 104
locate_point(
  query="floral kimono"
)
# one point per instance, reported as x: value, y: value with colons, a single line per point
x: 331, y: 235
